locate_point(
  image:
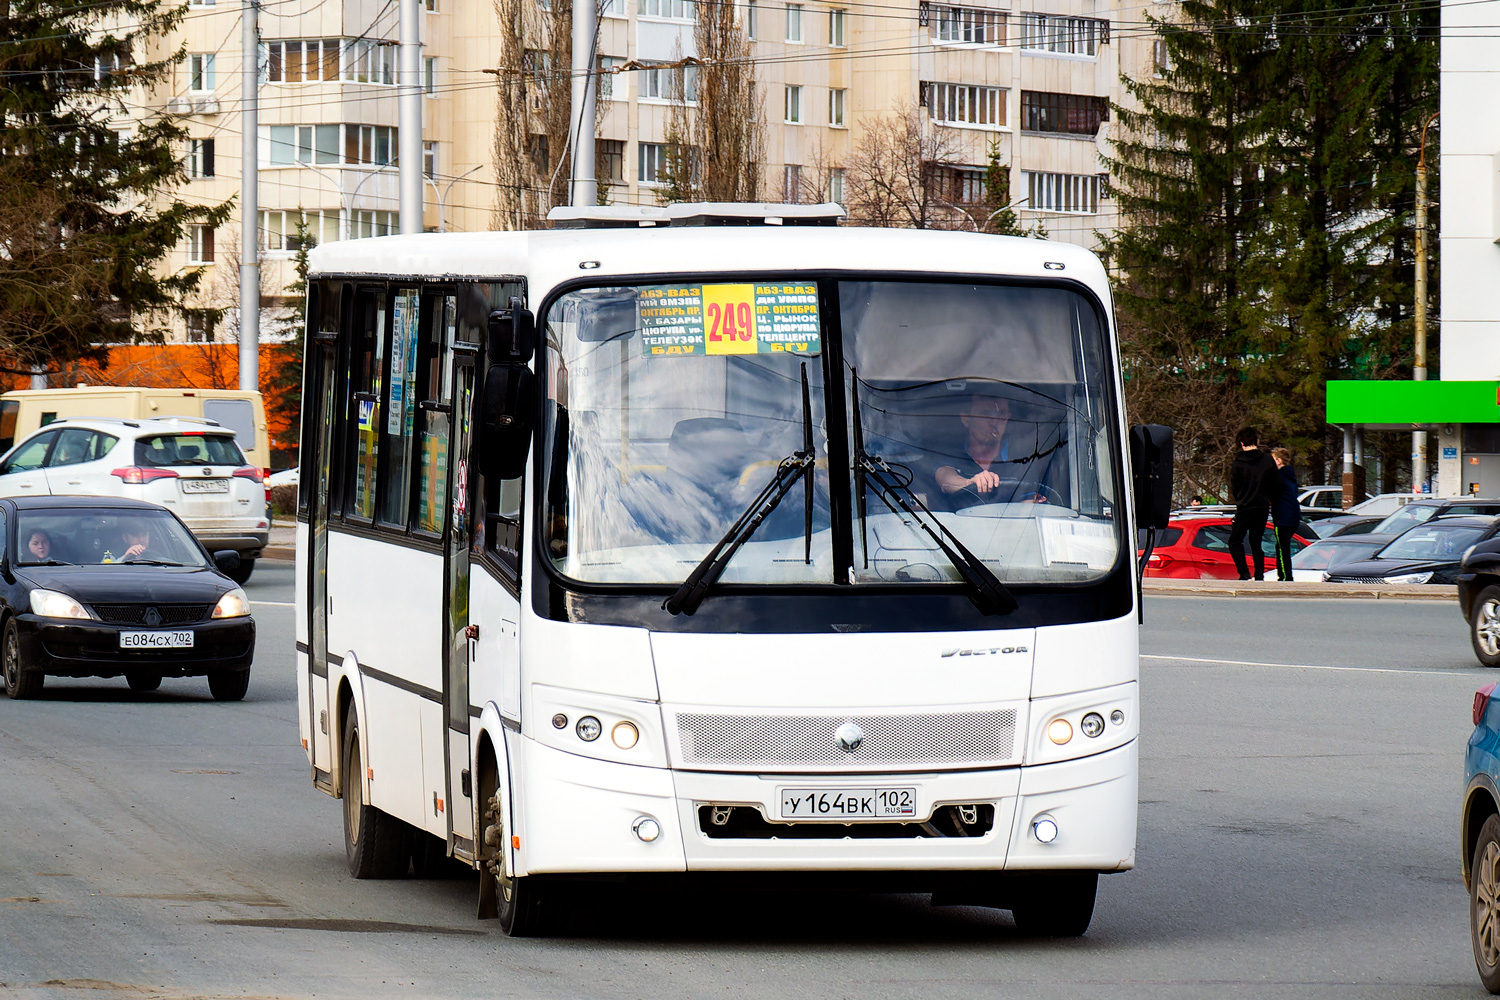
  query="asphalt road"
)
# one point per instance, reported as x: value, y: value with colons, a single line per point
x: 1301, y: 770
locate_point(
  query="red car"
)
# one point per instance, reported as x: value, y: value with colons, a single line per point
x: 1197, y: 548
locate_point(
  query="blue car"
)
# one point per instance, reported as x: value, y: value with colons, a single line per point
x: 1481, y: 835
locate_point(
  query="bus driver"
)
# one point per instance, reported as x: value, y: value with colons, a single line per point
x: 992, y: 468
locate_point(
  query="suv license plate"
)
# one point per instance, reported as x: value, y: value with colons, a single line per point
x: 205, y: 485
x: 157, y: 640
x: 847, y: 803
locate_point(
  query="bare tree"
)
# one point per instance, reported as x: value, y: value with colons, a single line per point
x: 730, y: 127
x: 534, y: 104
x: 896, y: 173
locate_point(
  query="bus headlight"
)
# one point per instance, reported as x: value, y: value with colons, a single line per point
x: 588, y: 729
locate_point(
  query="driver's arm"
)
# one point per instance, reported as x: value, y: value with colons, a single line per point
x: 949, y: 481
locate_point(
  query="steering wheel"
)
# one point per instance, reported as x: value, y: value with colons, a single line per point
x: 1006, y: 493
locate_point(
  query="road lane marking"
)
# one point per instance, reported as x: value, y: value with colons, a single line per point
x: 1315, y: 666
x: 276, y: 604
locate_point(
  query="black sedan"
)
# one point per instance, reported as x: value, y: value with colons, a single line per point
x: 1427, y: 553
x: 100, y: 587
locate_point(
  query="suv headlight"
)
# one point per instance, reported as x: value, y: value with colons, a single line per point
x: 232, y: 605
x: 1411, y: 577
x: 51, y: 604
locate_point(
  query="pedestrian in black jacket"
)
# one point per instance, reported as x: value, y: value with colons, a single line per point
x: 1252, y: 481
x: 1286, y: 512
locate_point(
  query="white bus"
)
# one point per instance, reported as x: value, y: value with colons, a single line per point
x: 754, y: 551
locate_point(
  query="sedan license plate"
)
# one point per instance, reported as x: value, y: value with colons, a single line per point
x: 157, y: 640
x: 847, y: 803
x: 205, y: 485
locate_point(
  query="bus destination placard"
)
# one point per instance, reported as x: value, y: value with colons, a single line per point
x: 758, y: 318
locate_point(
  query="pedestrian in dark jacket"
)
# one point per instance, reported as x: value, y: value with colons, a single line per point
x: 1253, y: 482
x: 1286, y: 512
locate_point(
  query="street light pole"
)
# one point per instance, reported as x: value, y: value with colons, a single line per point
x: 1419, y: 335
x: 443, y: 196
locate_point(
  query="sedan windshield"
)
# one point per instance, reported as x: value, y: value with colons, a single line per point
x: 1406, y: 517
x: 974, y: 440
x: 1433, y: 541
x: 103, y: 537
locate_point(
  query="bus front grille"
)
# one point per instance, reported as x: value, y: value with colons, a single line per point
x: 792, y: 741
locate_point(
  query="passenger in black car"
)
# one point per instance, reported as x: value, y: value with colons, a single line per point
x: 39, y: 546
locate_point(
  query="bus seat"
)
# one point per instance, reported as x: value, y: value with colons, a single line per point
x: 708, y: 452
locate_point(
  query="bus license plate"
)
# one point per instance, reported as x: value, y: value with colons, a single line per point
x: 156, y: 640
x: 848, y: 803
x: 205, y: 485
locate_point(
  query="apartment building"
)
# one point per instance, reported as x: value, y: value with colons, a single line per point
x: 1032, y: 78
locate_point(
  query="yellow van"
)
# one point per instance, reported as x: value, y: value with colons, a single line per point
x: 242, y: 411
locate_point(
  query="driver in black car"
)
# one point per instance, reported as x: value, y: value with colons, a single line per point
x: 991, y: 469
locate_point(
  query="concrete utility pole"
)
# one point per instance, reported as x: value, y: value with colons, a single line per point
x: 249, y: 198
x: 584, y: 189
x: 1419, y: 361
x: 410, y: 117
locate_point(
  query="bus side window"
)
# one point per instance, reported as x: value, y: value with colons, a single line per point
x: 502, y: 523
x: 367, y: 415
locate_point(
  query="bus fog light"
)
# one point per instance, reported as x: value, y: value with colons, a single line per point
x: 1092, y: 724
x: 625, y: 735
x: 647, y: 829
x: 1044, y: 830
x: 1117, y: 717
x: 589, y: 728
x: 1060, y: 731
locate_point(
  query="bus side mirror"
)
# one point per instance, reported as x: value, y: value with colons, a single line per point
x: 505, y: 421
x: 512, y: 334
x: 1151, y: 470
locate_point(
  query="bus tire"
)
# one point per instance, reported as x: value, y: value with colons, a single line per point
x: 1060, y: 905
x: 526, y: 907
x: 375, y: 844
x: 19, y: 682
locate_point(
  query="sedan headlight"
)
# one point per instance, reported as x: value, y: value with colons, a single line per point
x: 232, y: 605
x: 51, y: 604
x: 1411, y: 577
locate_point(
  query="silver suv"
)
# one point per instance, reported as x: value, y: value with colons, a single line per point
x: 191, y: 466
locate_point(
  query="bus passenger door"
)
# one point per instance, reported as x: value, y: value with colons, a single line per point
x: 320, y: 723
x: 456, y: 611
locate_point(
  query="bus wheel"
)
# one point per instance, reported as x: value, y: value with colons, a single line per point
x: 1059, y: 905
x: 525, y: 907
x: 375, y: 844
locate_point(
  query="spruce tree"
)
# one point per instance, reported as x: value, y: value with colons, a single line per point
x: 88, y: 214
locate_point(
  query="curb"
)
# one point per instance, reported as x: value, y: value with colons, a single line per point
x: 1297, y: 591
x: 282, y: 552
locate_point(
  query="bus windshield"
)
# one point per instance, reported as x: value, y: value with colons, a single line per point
x: 975, y: 413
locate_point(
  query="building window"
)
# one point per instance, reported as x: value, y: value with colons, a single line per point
x: 369, y: 60
x: 200, y: 326
x: 429, y: 76
x: 961, y: 104
x: 285, y: 145
x: 373, y: 144
x: 653, y: 162
x: 302, y: 61
x: 677, y: 10
x: 1077, y: 194
x: 369, y: 224
x: 794, y: 105
x: 278, y: 228
x: 200, y: 158
x: 794, y: 22
x: 200, y: 69
x: 837, y: 100
x: 751, y: 10
x: 655, y: 83
x: 836, y: 185
x: 1161, y: 58
x: 968, y: 186
x: 429, y: 159
x: 612, y: 8
x: 968, y: 25
x: 791, y: 183
x: 606, y: 78
x: 430, y: 6
x: 1068, y: 114
x: 200, y: 244
x: 1078, y: 36
x: 609, y: 160
x: 836, y: 19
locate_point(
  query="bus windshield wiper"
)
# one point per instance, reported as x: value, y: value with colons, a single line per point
x: 686, y: 599
x: 989, y: 595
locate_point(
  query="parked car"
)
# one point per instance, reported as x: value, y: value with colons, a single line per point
x: 1479, y: 829
x: 1479, y: 595
x: 1344, y: 525
x: 193, y: 467
x: 1312, y: 564
x: 1427, y: 553
x: 1384, y: 503
x: 1196, y: 547
x: 100, y: 587
x: 1419, y: 511
x: 286, y: 477
x: 1326, y: 496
